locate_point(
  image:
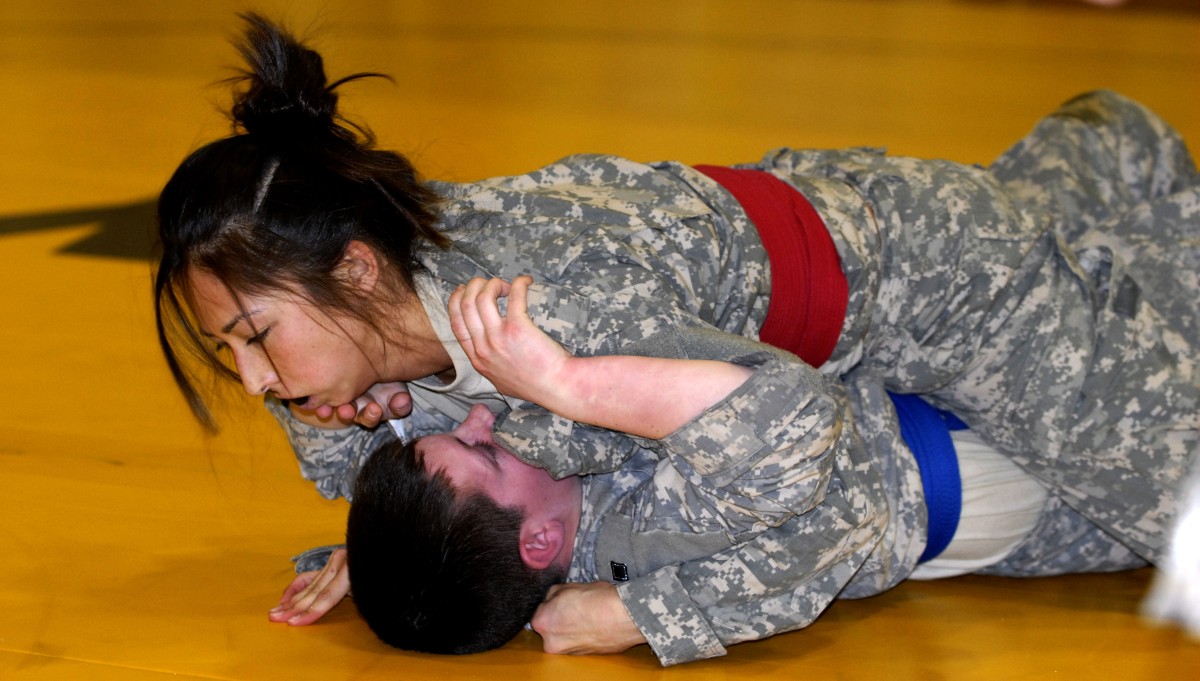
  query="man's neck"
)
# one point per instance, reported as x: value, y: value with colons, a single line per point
x: 570, y: 514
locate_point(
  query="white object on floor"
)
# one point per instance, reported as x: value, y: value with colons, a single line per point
x: 1174, y: 597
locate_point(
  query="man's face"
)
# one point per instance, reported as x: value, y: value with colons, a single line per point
x: 472, y: 460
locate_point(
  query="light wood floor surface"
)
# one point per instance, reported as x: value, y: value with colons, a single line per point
x: 135, y: 548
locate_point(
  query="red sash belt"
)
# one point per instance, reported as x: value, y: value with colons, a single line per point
x: 809, y: 292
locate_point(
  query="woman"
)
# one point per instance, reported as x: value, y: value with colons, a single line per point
x: 323, y: 267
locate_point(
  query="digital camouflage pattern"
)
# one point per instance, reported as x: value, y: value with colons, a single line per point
x: 1048, y: 301
x: 803, y: 511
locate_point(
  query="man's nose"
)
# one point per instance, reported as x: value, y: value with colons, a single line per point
x: 478, y: 424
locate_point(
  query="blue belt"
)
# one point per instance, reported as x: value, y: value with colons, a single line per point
x: 926, y: 431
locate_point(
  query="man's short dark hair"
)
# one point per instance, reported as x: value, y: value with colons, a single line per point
x: 433, y: 569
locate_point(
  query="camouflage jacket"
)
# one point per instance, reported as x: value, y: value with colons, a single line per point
x: 750, y: 520
x: 1048, y: 300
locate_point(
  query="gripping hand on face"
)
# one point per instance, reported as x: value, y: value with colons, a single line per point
x: 516, y: 356
x: 314, y: 593
x: 381, y: 402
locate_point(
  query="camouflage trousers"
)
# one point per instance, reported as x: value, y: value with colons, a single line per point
x: 1050, y: 301
x: 1122, y: 192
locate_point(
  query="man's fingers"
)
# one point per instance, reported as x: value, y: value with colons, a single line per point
x: 400, y: 404
x: 367, y: 412
x: 344, y: 412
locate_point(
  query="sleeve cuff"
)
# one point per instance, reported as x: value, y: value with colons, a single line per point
x: 667, y: 617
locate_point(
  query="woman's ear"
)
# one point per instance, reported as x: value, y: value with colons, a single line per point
x: 359, y: 267
x: 541, y: 543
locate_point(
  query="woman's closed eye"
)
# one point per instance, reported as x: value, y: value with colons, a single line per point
x: 259, y: 337
x: 256, y: 339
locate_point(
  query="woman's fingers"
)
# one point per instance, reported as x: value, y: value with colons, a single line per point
x: 461, y: 309
x: 311, y: 595
x: 487, y: 305
x: 474, y: 310
x: 518, y: 297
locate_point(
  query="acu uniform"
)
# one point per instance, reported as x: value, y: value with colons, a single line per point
x: 1028, y: 299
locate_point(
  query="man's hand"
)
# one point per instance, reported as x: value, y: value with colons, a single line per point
x: 585, y: 619
x: 381, y: 402
x: 516, y: 356
x: 314, y: 593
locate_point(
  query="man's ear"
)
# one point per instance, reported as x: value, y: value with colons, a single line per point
x: 359, y: 267
x: 541, y: 543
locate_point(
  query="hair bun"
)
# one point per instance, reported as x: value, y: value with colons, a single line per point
x: 287, y: 99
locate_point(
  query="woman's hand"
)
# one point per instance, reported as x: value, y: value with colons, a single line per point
x: 314, y: 593
x: 585, y: 619
x: 381, y: 402
x: 516, y: 356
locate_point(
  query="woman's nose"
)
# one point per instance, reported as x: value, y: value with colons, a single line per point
x: 256, y: 372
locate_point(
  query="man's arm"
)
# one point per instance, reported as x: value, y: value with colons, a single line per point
x: 783, y: 505
x: 796, y: 497
x: 768, y: 573
x: 771, y: 468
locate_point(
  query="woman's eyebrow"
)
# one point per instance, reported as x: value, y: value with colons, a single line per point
x: 234, y: 322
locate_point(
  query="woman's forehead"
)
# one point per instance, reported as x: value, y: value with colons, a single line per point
x: 216, y: 306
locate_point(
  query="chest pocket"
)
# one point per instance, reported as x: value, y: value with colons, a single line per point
x: 622, y: 555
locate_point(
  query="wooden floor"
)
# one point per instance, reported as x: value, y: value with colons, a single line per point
x: 135, y: 548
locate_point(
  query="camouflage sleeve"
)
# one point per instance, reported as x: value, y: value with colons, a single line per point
x: 772, y: 466
x: 638, y: 321
x: 758, y: 458
x: 627, y: 259
x: 332, y: 458
x: 778, y: 581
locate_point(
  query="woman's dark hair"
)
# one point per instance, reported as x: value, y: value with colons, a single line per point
x: 434, y: 570
x: 275, y: 205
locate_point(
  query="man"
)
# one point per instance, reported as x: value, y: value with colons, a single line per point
x: 453, y: 541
